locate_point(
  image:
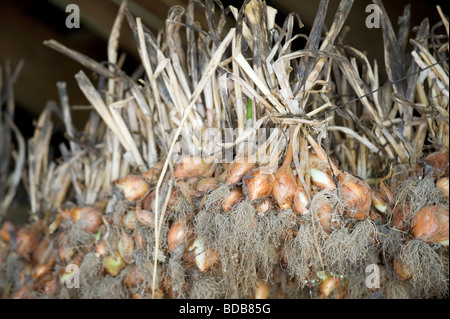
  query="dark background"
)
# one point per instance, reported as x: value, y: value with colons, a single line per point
x: 25, y: 24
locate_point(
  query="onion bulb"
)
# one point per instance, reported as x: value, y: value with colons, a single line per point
x: 44, y: 253
x: 328, y: 285
x: 258, y: 185
x: 7, y: 231
x: 399, y: 216
x: 238, y: 169
x: 114, y: 264
x: 431, y: 224
x: 262, y: 290
x: 435, y: 164
x: 325, y: 213
x: 134, y: 277
x: 401, y: 270
x: 284, y: 187
x: 132, y: 187
x: 87, y: 217
x: 379, y: 203
x: 125, y: 247
x: 263, y: 207
x: 443, y: 185
x: 26, y: 242
x: 301, y: 200
x: 193, y: 166
x: 151, y: 176
x: 145, y: 217
x: 206, y: 185
x: 202, y: 257
x: 129, y: 220
x: 234, y: 196
x: 357, y: 195
x: 321, y: 179
x: 100, y: 248
x: 40, y: 270
x: 179, y: 236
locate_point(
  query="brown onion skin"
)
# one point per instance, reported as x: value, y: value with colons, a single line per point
x: 129, y: 220
x: 206, y: 185
x: 88, y: 218
x: 443, y: 184
x: 151, y: 176
x: 7, y: 231
x: 125, y: 247
x: 379, y: 203
x: 301, y: 201
x: 234, y: 196
x: 431, y: 224
x: 262, y: 290
x: 40, y: 270
x: 325, y: 214
x: 401, y: 270
x: 193, y: 166
x: 329, y: 285
x: 357, y: 195
x: 44, y: 253
x: 400, y: 216
x: 101, y: 248
x: 284, y: 187
x: 203, y: 259
x: 237, y: 170
x: 179, y: 236
x: 132, y: 187
x: 435, y: 164
x: 264, y: 206
x: 26, y: 242
x: 134, y: 277
x: 258, y: 185
x: 145, y: 217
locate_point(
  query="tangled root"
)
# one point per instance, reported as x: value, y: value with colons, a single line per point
x: 207, y: 288
x: 215, y: 199
x: 429, y: 270
x: 106, y: 287
x: 176, y: 277
x: 78, y: 237
x: 419, y: 193
x: 391, y: 241
x: 247, y: 243
x: 344, y: 250
x: 398, y: 290
x: 90, y: 269
x: 301, y: 252
x: 182, y: 207
x: 9, y: 268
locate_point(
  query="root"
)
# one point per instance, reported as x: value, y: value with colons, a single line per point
x: 207, y: 288
x: 175, y: 275
x: 78, y: 238
x: 429, y: 270
x: 247, y: 244
x: 344, y: 250
x: 106, y: 287
x: 90, y: 269
x: 391, y: 241
x: 419, y: 193
x: 301, y: 253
